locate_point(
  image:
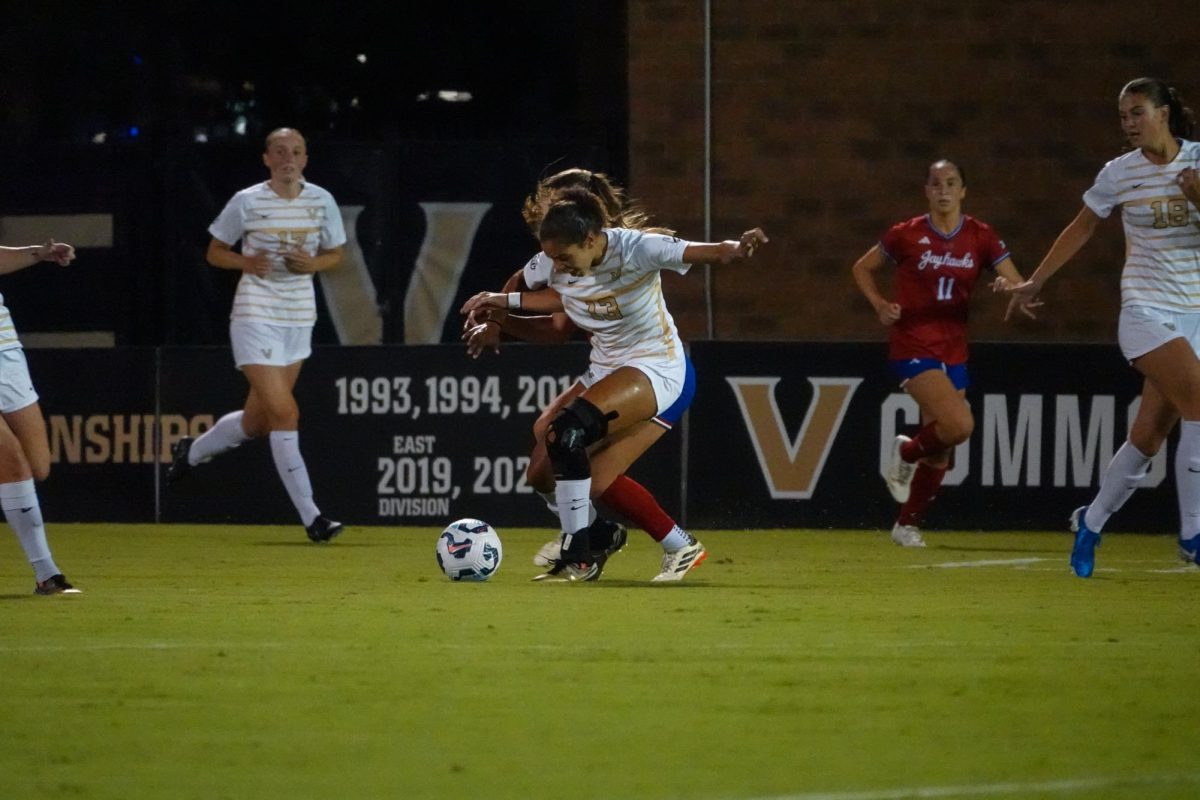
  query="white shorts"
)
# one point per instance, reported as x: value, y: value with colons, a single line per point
x: 1142, y: 329
x: 666, y: 378
x: 269, y: 345
x: 16, y: 387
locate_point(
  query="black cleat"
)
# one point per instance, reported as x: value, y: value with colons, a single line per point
x: 55, y: 584
x: 323, y: 529
x: 179, y: 466
x: 607, y: 536
x: 602, y: 539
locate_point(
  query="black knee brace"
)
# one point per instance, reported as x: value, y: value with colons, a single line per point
x: 572, y: 431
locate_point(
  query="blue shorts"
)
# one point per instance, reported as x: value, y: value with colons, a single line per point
x: 670, y: 418
x: 905, y: 369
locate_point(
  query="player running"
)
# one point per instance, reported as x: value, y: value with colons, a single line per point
x: 1156, y: 187
x: 607, y: 281
x: 938, y: 256
x: 615, y: 490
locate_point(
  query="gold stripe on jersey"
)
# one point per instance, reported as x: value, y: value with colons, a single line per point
x: 266, y: 316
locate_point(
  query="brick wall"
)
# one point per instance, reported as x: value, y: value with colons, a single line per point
x: 826, y: 114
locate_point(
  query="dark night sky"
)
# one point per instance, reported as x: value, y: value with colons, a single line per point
x: 69, y: 71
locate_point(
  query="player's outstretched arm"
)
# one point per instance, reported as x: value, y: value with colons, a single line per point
x: 543, y: 301
x: 1068, y: 243
x: 726, y: 251
x: 17, y: 258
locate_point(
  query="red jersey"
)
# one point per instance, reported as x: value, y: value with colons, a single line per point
x: 934, y: 276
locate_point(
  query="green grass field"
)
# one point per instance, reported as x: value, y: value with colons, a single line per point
x: 210, y: 662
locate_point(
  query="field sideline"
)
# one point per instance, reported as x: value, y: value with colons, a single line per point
x: 231, y: 662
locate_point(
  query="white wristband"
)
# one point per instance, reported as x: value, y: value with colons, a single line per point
x: 514, y: 301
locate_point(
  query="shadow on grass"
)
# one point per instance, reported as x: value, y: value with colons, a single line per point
x: 319, y: 546
x: 605, y: 583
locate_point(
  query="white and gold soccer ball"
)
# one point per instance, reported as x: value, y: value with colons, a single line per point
x: 469, y: 550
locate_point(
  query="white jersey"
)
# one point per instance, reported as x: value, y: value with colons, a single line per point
x: 621, y: 301
x: 1162, y: 229
x: 268, y: 223
x: 8, y: 331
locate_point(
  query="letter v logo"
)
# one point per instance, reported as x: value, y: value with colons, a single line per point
x: 791, y: 468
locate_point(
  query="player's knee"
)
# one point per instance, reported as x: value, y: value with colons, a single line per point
x: 40, y: 469
x: 285, y: 418
x: 956, y: 430
x: 574, y: 429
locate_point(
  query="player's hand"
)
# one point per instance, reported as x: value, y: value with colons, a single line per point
x: 1023, y: 304
x: 1189, y: 181
x: 889, y: 313
x: 481, y: 337
x: 1028, y: 289
x: 258, y: 264
x: 744, y: 247
x: 60, y: 253
x: 299, y: 262
x: 485, y: 300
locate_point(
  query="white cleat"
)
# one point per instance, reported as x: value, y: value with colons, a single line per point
x: 549, y: 555
x: 899, y: 472
x: 907, y: 535
x: 679, y: 563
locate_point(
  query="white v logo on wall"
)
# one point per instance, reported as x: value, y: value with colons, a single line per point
x: 349, y: 291
x: 792, y: 467
x: 350, y: 295
x: 450, y: 230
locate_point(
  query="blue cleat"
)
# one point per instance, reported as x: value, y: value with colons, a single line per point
x: 1189, y: 549
x: 1083, y: 554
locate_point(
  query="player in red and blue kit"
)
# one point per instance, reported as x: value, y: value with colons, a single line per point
x: 938, y: 258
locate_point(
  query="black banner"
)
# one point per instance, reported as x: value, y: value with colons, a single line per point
x: 780, y: 435
x: 796, y: 435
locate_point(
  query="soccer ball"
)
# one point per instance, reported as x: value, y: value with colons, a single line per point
x: 469, y: 550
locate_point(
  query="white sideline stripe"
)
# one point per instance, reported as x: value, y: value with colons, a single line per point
x: 989, y: 562
x: 77, y: 646
x: 992, y: 789
x: 1025, y: 562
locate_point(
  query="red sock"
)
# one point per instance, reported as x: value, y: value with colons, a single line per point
x: 924, y: 489
x: 925, y: 443
x: 631, y: 500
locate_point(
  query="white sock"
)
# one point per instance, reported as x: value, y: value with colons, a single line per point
x: 20, y: 504
x: 1187, y: 478
x: 1119, y: 481
x: 676, y: 540
x: 552, y: 504
x: 225, y: 435
x: 574, y: 506
x: 285, y: 448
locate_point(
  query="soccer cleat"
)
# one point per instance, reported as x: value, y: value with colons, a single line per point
x: 179, y: 467
x: 55, y: 584
x: 605, y: 538
x: 550, y: 555
x: 907, y: 535
x: 584, y: 570
x: 680, y: 562
x: 1083, y: 553
x: 323, y: 529
x: 1189, y: 550
x: 899, y: 474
